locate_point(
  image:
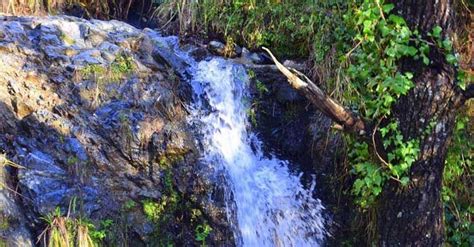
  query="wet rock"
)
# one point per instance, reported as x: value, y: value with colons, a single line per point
x: 74, y: 147
x: 220, y: 49
x: 199, y: 53
x: 216, y: 47
x: 49, y: 186
x: 285, y: 93
x: 13, y: 225
x: 165, y: 53
x: 101, y: 138
x: 13, y: 31
x: 88, y: 57
x: 256, y: 58
x: 237, y: 50
x: 21, y: 108
x: 294, y: 65
x: 249, y: 57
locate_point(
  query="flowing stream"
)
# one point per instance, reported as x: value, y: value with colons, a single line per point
x: 273, y: 208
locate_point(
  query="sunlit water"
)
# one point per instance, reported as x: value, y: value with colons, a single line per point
x: 272, y: 206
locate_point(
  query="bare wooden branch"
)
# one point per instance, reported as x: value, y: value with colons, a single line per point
x: 323, y: 102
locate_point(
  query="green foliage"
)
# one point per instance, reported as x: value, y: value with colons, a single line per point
x: 129, y: 204
x: 376, y: 83
x: 98, y: 234
x: 72, y: 160
x: 174, y: 208
x: 291, y: 27
x: 121, y: 67
x: 382, y: 39
x: 91, y: 70
x: 64, y: 230
x: 252, y: 116
x: 369, y: 41
x: 4, y: 222
x: 356, y: 47
x: 261, y: 88
x: 154, y: 210
x: 163, y: 211
x: 202, y: 232
x: 457, y: 185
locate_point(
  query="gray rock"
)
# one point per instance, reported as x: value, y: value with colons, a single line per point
x: 238, y: 50
x: 48, y: 186
x: 101, y: 142
x: 294, y: 65
x: 13, y: 225
x: 249, y: 57
x: 88, y: 57
x: 165, y: 53
x: 216, y: 47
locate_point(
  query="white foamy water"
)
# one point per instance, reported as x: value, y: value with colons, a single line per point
x: 272, y: 206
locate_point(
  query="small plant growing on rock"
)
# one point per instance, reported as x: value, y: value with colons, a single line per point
x: 122, y: 65
x: 251, y: 74
x: 104, y: 76
x: 59, y: 230
x: 65, y: 230
x: 83, y: 233
x: 4, y: 161
x: 4, y: 222
x: 261, y: 88
x: 129, y: 204
x: 100, y: 233
x: 252, y: 116
x: 154, y: 210
x: 93, y: 71
x: 72, y: 160
x: 202, y: 232
x: 229, y: 49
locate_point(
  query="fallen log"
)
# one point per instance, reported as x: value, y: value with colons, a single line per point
x: 347, y: 120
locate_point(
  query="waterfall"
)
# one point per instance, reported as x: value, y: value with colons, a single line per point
x: 273, y: 208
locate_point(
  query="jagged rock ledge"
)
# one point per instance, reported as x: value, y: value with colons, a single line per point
x: 93, y: 110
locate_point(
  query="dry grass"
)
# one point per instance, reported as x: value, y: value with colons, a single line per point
x: 57, y: 233
x: 66, y: 231
x: 83, y: 238
x: 100, y: 9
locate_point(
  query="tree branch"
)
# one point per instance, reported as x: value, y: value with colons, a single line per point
x: 347, y: 119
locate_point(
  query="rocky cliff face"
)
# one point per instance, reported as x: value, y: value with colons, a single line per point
x: 95, y: 117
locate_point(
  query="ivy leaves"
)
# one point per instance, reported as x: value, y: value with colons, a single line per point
x: 382, y: 40
x: 370, y: 179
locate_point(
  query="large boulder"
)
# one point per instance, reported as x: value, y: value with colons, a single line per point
x: 94, y: 112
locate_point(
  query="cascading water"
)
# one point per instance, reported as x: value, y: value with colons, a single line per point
x: 272, y: 206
